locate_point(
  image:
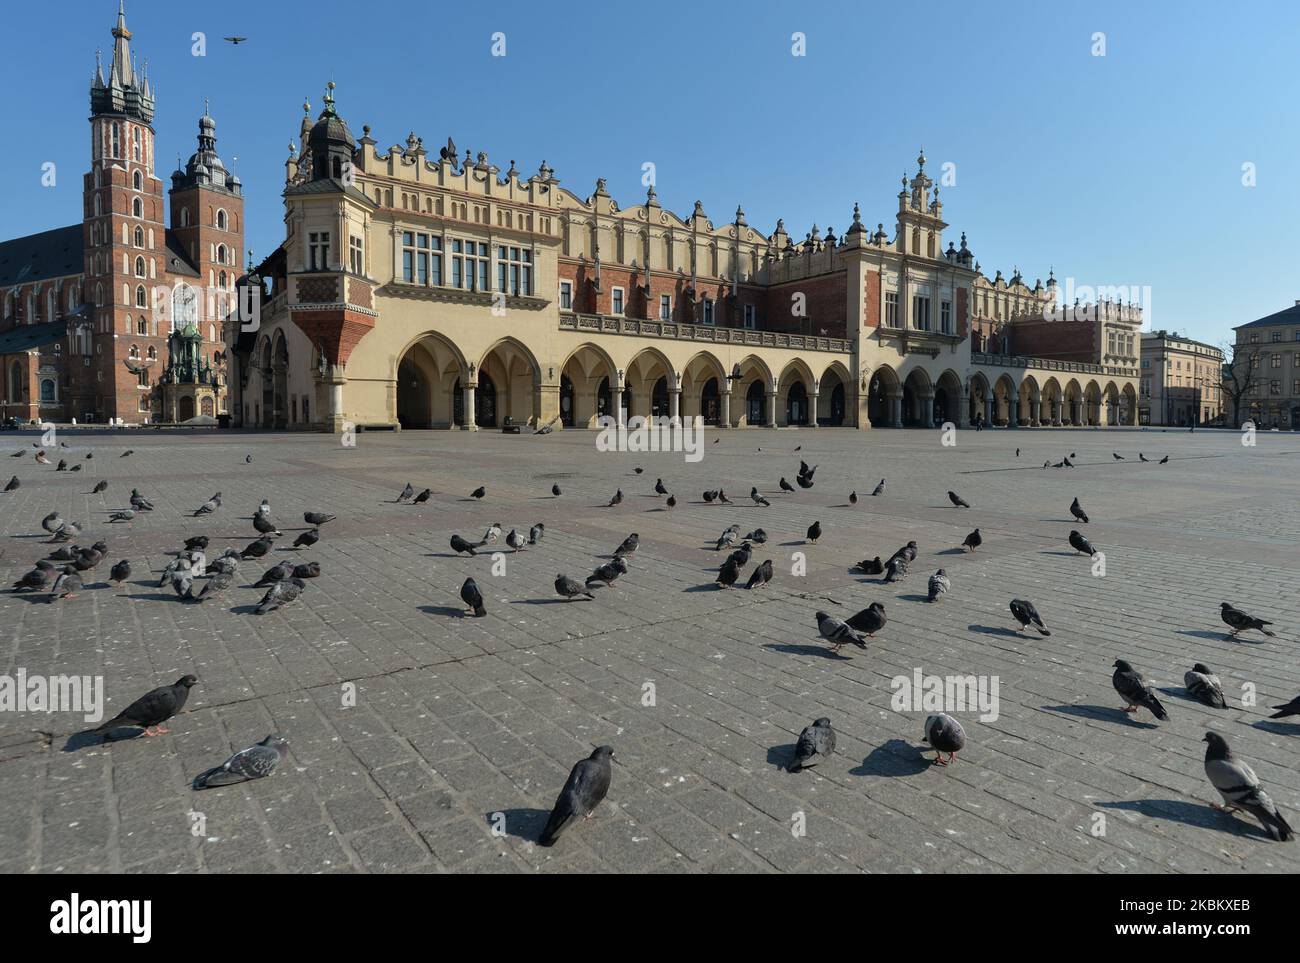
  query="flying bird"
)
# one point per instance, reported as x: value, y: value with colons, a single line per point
x: 1203, y: 686
x: 1240, y: 788
x: 236, y: 41
x: 944, y: 734
x: 586, y: 787
x: 1291, y: 708
x: 153, y: 708
x: 1024, y: 612
x: 1240, y: 621
x: 255, y: 762
x: 1135, y: 690
x: 816, y: 742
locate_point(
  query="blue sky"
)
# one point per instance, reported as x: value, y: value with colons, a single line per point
x: 1117, y: 170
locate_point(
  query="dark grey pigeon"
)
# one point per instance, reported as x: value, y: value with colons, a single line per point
x: 257, y: 549
x: 872, y: 566
x: 759, y: 499
x: 629, y: 546
x: 973, y: 541
x: 277, y: 573
x: 1291, y: 708
x: 255, y: 762
x: 99, y: 487
x: 307, y: 539
x: 1240, y: 621
x: 1135, y: 690
x: 582, y: 793
x: 462, y: 545
x: 478, y: 492
x: 407, y: 493
x: 870, y: 620
x: 1077, y: 511
x: 67, y: 585
x: 660, y: 490
x: 473, y: 598
x: 1024, y: 612
x: 120, y: 572
x: 838, y: 632
x: 816, y: 742
x: 555, y: 491
x: 761, y: 575
x: 957, y: 500
x: 214, y: 587
x: 814, y: 532
x: 1204, y: 686
x: 13, y: 484
x: 896, y: 569
x: 153, y: 708
x: 607, y: 573
x: 728, y: 573
x: 570, y: 588
x: 617, y: 499
x: 264, y: 525
x: 317, y: 519
x: 879, y: 489
x: 939, y: 585
x: 280, y: 594
x: 1081, y: 544
x: 34, y: 581
x: 944, y: 734
x: 423, y: 497
x: 536, y: 533
x: 1240, y: 788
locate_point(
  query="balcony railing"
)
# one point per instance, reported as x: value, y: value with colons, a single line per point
x: 1047, y: 364
x: 637, y: 327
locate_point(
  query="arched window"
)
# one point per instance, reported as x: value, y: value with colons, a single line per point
x: 16, y: 382
x: 221, y: 254
x: 139, y: 237
x: 133, y: 352
x: 117, y: 140
x: 221, y: 220
x: 48, y: 394
x: 185, y: 217
x: 135, y: 145
x: 99, y: 208
x: 137, y: 208
x: 142, y: 326
x: 58, y: 349
x: 140, y: 300
x: 99, y: 295
x: 212, y: 332
x: 185, y: 307
x: 139, y: 267
x: 137, y: 180
x: 221, y: 281
x: 153, y: 353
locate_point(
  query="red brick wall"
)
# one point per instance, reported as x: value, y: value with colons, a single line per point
x: 825, y: 306
x: 1056, y: 340
x: 871, y: 300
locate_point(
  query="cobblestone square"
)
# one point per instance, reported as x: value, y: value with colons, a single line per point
x: 425, y: 740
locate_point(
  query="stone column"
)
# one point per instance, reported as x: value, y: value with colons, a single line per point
x: 334, y: 418
x: 1013, y: 412
x: 896, y: 411
x: 812, y: 410
x: 725, y: 420
x: 675, y: 405
x: 771, y: 408
x: 988, y: 412
x: 471, y: 416
x: 616, y: 399
x: 927, y: 412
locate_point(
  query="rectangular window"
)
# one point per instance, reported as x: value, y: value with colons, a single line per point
x: 1277, y: 335
x: 356, y: 256
x: 891, y: 309
x: 708, y: 310
x: 566, y: 295
x: 921, y: 312
x: 1275, y: 387
x: 616, y: 301
x: 318, y: 246
x: 945, y: 317
x: 751, y: 322
x: 1276, y: 361
x: 514, y: 270
x: 665, y: 307
x: 470, y: 265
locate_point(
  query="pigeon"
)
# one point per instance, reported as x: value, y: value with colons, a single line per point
x: 816, y: 740
x: 407, y: 493
x: 907, y: 552
x: 806, y: 472
x: 759, y: 499
x: 19, y: 454
x: 63, y: 465
x: 570, y: 588
x: 139, y: 502
x: 211, y: 505
x: 727, y: 538
x: 939, y: 585
x: 491, y: 535
x: 973, y: 541
x: 638, y: 470
x: 65, y: 554
x: 183, y: 581
x: 99, y: 487
x: 814, y: 532
x: 1067, y: 463
x: 1142, y: 457
x: 608, y: 572
x: 460, y: 545
x: 67, y: 585
x: 34, y: 581
x: 761, y: 575
x: 785, y: 485
x: 757, y: 536
x: 255, y: 762
x: 957, y: 500
x: 742, y: 554
x: 1081, y: 544
x: 870, y: 620
x: 1164, y: 460
x: 1025, y: 613
x: 535, y: 533
x: 88, y: 559
x: 803, y: 482
x: 423, y: 497
x: 728, y: 573
x: 872, y: 566
x: 853, y: 498
x: 123, y: 516
x: 307, y: 570
x: 227, y: 563
x: 516, y: 541
x: 838, y: 632
x: 1203, y: 686
x: 1077, y: 511
x: 275, y: 574
x: 120, y: 572
x: 217, y: 585
x: 280, y: 594
x: 129, y: 451
x: 478, y: 493
x: 1291, y: 708
x: 722, y: 497
x: 264, y: 506
x: 89, y: 455
x: 672, y: 501
x: 13, y: 484
x: 896, y: 569
x: 582, y: 793
x: 473, y: 598
x: 67, y: 531
x: 248, y: 459
x: 1117, y: 456
x: 199, y: 542
x: 628, y: 546
x: 616, y: 500
x: 555, y: 490
x: 153, y: 708
x: 317, y: 519
x: 257, y: 549
x: 174, y: 568
x: 1240, y: 789
x: 1017, y: 452
x: 660, y: 490
x: 264, y: 525
x: 1135, y: 690
x: 944, y: 734
x: 879, y: 489
x: 307, y: 539
x: 1240, y: 621
x: 40, y: 457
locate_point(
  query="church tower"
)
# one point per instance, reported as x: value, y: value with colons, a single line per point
x: 125, y: 243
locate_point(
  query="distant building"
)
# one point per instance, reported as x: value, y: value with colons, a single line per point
x: 1181, y: 381
x: 1271, y: 346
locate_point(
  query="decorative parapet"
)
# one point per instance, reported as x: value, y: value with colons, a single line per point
x: 1047, y: 364
x: 635, y: 327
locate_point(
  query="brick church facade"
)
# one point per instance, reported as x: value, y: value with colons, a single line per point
x: 91, y: 313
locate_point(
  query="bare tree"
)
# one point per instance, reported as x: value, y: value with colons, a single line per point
x: 1242, y: 375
